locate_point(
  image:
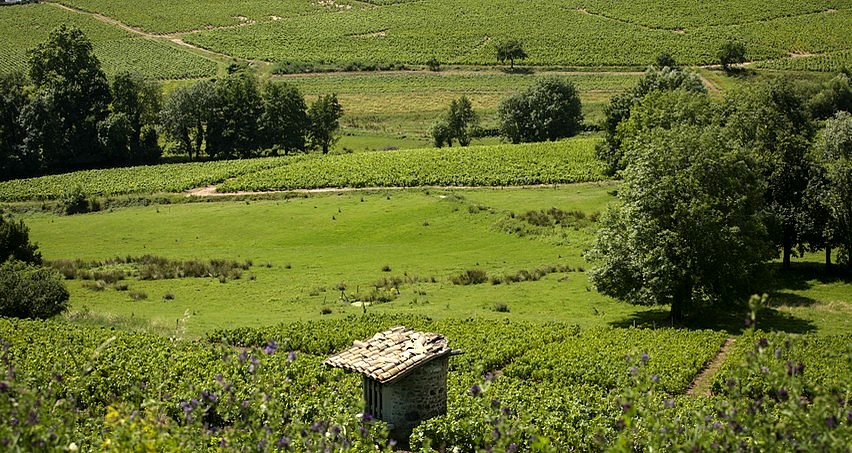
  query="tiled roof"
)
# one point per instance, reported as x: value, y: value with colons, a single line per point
x: 391, y: 354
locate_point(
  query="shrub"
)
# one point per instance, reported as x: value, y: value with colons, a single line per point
x: 75, y: 202
x: 501, y: 307
x: 138, y: 295
x: 28, y: 291
x: 470, y: 277
x: 15, y: 242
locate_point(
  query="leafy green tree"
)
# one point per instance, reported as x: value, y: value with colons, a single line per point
x: 834, y: 152
x: 15, y: 242
x: 510, y: 49
x: 324, y: 115
x: 688, y: 228
x: 233, y: 126
x: 618, y: 110
x: 665, y: 60
x: 771, y: 120
x: 185, y: 115
x: 139, y: 100
x: 731, y: 52
x: 549, y: 110
x: 835, y: 97
x: 30, y: 291
x: 72, y: 96
x: 284, y: 123
x: 15, y: 160
x: 460, y: 122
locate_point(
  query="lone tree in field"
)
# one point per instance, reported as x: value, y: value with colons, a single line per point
x: 688, y: 228
x: 731, y: 52
x: 324, y: 116
x: 549, y: 110
x: 460, y: 123
x: 511, y: 49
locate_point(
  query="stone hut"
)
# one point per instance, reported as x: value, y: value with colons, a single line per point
x: 405, y: 375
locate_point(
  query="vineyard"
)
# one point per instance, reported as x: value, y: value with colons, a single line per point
x: 829, y: 62
x: 500, y: 165
x: 96, y: 388
x: 24, y: 27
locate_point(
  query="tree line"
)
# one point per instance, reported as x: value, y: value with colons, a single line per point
x: 713, y: 189
x: 65, y: 115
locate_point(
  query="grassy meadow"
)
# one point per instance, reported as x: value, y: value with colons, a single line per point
x: 313, y: 254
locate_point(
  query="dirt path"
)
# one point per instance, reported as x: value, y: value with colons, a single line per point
x: 700, y: 386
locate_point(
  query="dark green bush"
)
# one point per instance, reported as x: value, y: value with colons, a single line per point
x: 15, y: 242
x: 28, y: 291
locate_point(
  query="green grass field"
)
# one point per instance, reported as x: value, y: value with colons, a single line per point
x: 305, y: 249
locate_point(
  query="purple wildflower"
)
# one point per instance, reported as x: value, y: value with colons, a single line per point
x: 620, y: 424
x: 669, y: 403
x: 32, y: 418
x: 763, y: 343
x: 655, y: 378
x: 243, y: 356
x: 782, y: 393
x: 367, y: 417
x: 512, y: 448
x: 496, y: 433
x: 625, y: 407
x: 475, y: 390
x: 362, y: 431
x: 717, y: 425
x: 849, y: 416
x: 644, y: 357
x: 634, y: 371
x: 223, y: 443
x: 3, y: 386
x: 283, y: 442
x: 507, y: 411
x: 291, y: 356
x: 489, y: 376
x: 271, y: 347
x: 777, y: 353
x: 831, y: 422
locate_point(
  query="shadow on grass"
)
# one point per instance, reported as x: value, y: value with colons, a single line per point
x: 731, y: 320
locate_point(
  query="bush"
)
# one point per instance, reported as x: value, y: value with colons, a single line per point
x: 75, y: 202
x: 549, y: 110
x: 28, y: 291
x: 15, y: 242
x: 470, y: 277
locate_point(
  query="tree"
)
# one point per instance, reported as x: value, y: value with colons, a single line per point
x: 618, y: 110
x: 233, y: 126
x: 731, y: 52
x: 72, y: 96
x: 15, y: 242
x: 139, y: 100
x: 324, y: 115
x: 549, y: 110
x: 185, y: 114
x: 15, y: 160
x: 688, y: 228
x: 835, y: 97
x: 510, y: 49
x: 665, y: 60
x: 284, y: 123
x: 30, y: 291
x: 771, y: 120
x: 460, y: 122
x: 834, y: 152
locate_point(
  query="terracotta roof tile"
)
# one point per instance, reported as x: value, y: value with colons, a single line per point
x: 391, y: 354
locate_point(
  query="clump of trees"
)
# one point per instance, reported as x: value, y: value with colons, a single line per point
x: 65, y: 115
x: 549, y: 110
x: 713, y: 190
x: 459, y: 123
x: 730, y: 53
x: 27, y: 290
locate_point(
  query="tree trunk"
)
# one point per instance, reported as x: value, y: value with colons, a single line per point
x: 680, y: 301
x: 827, y: 256
x: 787, y: 246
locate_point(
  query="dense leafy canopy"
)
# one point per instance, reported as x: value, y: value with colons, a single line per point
x: 324, y: 115
x: 460, y: 123
x: 549, y: 110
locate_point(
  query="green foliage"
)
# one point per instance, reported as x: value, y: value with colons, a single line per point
x: 731, y: 52
x: 75, y: 201
x: 139, y: 100
x: 665, y: 60
x: 621, y: 105
x: 834, y: 153
x: 164, y: 178
x: 549, y: 110
x: 836, y: 96
x: 688, y: 230
x: 15, y: 160
x: 510, y: 49
x: 185, y: 113
x: 233, y: 128
x: 460, y: 123
x: 557, y: 162
x: 324, y: 115
x: 28, y: 291
x: 771, y: 119
x: 285, y: 120
x: 68, y: 77
x: 15, y: 242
